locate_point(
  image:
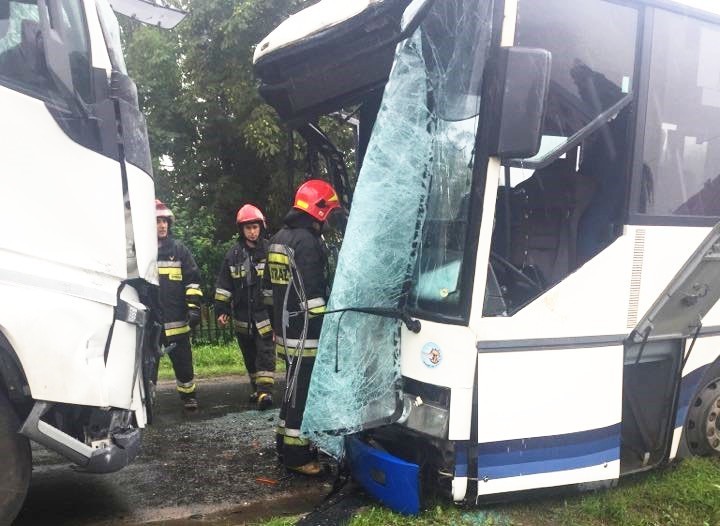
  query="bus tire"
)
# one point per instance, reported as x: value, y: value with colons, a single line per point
x: 702, y: 429
x: 16, y: 463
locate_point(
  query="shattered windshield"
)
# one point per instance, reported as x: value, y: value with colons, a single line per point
x: 407, y: 226
x: 455, y: 43
x: 455, y: 68
x: 435, y: 284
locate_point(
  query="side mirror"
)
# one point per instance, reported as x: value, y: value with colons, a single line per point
x: 520, y: 99
x: 124, y: 88
x: 149, y: 12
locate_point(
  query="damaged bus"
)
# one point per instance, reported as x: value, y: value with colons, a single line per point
x: 78, y: 240
x: 525, y: 294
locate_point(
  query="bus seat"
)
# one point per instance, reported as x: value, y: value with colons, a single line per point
x: 545, y: 231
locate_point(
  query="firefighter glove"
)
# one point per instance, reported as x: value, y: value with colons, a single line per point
x: 194, y: 317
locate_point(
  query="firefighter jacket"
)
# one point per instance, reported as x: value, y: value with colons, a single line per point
x: 179, y: 287
x: 297, y: 260
x: 238, y: 291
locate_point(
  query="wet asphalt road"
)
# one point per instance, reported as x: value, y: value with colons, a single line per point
x: 216, y: 467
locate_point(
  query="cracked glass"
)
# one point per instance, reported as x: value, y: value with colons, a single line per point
x: 406, y: 234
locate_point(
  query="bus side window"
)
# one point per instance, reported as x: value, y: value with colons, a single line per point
x: 605, y: 160
x: 566, y: 204
x: 544, y: 214
x: 681, y: 151
x: 556, y: 199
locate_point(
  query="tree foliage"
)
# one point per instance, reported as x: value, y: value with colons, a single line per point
x: 215, y: 144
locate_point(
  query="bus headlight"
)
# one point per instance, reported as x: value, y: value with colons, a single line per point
x: 423, y: 417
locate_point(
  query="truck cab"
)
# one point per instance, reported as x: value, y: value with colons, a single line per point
x: 78, y: 251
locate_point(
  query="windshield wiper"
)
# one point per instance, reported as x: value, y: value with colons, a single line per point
x: 413, y: 325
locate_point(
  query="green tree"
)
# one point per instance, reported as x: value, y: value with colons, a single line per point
x: 216, y: 145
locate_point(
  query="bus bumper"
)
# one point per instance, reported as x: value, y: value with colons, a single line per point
x: 391, y: 480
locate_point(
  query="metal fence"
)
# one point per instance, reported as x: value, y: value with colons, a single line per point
x: 209, y: 332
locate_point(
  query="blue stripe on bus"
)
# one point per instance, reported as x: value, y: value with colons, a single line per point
x: 530, y: 456
x: 688, y: 388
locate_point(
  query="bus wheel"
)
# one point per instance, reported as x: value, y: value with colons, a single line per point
x: 703, y: 423
x: 16, y: 463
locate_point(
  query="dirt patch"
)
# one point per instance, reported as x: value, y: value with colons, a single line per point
x: 217, y: 466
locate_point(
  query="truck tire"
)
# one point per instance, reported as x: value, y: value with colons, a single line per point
x: 16, y: 463
x: 702, y: 429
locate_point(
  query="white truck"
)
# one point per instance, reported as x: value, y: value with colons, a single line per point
x: 78, y: 243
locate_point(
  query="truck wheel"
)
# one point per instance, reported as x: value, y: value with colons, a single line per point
x: 16, y: 463
x: 702, y: 429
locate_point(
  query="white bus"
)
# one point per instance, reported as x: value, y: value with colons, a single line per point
x: 78, y: 243
x: 566, y: 265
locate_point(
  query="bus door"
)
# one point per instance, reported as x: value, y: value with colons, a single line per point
x: 656, y: 351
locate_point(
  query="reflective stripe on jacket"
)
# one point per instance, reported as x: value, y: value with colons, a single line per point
x: 299, y: 243
x: 238, y: 289
x: 179, y: 286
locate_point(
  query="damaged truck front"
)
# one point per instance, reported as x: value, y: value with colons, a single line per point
x: 78, y: 265
x: 530, y: 243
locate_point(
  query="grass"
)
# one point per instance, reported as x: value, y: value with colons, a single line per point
x: 440, y: 515
x: 684, y: 494
x: 212, y: 360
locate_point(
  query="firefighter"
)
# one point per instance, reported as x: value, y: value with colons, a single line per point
x: 180, y: 298
x: 297, y: 278
x: 238, y: 294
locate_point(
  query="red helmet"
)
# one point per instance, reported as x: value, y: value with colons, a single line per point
x: 317, y: 198
x: 250, y: 214
x: 163, y: 211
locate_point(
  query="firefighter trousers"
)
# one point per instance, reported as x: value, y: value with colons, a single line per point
x: 294, y: 449
x: 259, y: 356
x: 181, y: 358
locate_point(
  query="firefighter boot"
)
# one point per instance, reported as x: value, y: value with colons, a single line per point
x: 190, y: 402
x: 188, y: 394
x: 264, y: 401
